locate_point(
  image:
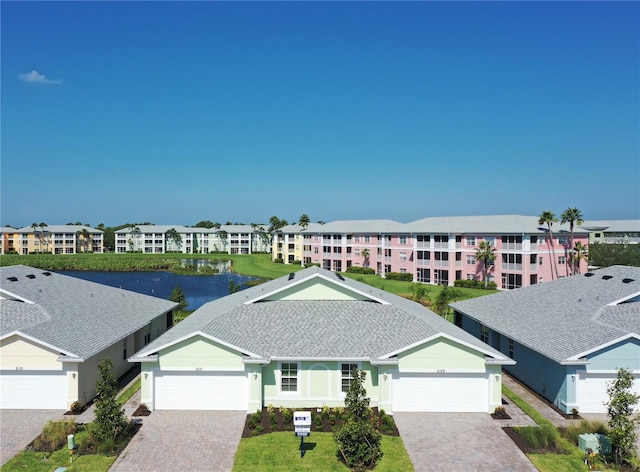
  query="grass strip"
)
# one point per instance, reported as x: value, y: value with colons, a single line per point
x: 128, y: 393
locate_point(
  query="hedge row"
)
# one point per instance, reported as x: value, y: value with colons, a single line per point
x: 475, y: 284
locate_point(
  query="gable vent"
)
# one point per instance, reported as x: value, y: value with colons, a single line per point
x: 627, y: 280
x: 589, y: 274
x: 12, y: 279
x: 30, y: 276
x: 292, y: 275
x: 607, y: 277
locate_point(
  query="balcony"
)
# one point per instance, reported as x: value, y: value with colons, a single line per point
x: 511, y: 266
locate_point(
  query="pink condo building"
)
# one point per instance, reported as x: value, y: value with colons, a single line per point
x: 438, y: 250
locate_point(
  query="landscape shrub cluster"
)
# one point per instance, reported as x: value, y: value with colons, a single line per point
x: 406, y: 277
x: 475, y: 284
x: 360, y: 270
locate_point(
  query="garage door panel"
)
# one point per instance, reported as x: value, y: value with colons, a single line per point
x: 201, y: 391
x: 438, y: 393
x: 33, y: 390
x: 592, y: 391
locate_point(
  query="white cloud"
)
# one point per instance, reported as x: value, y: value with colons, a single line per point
x: 35, y: 77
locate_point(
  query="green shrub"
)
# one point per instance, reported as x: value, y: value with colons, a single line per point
x: 54, y: 435
x: 572, y: 431
x: 279, y: 260
x: 479, y: 284
x: 297, y: 262
x: 358, y: 445
x: 541, y: 438
x: 399, y: 276
x: 360, y: 270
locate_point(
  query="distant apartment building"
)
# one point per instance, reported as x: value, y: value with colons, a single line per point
x: 437, y: 250
x: 53, y: 239
x: 613, y: 231
x: 160, y: 239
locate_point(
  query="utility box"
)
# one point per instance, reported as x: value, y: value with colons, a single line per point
x: 596, y: 442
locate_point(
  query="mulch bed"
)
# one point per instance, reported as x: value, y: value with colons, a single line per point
x: 142, y: 410
x: 327, y: 425
x: 500, y: 416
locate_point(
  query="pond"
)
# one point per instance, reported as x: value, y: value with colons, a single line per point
x: 198, y: 289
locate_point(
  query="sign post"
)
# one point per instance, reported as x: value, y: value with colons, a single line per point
x: 302, y: 427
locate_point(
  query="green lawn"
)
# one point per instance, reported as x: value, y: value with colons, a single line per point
x: 45, y: 462
x: 279, y: 452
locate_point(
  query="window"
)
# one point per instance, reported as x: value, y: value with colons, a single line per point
x: 289, y: 377
x: 124, y: 349
x: 484, y: 334
x: 471, y: 277
x: 540, y: 260
x: 562, y: 260
x: 471, y: 260
x: 490, y: 241
x: 367, y: 239
x: 347, y: 375
x: 403, y: 256
x: 424, y: 275
x: 511, y: 348
x: 562, y: 241
x: 533, y: 258
x: 403, y: 239
x: 403, y: 271
x: 315, y: 250
x: 471, y: 240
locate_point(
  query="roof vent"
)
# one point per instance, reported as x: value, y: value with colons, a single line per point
x: 340, y: 276
x: 627, y: 280
x: 589, y: 274
x: 607, y: 277
x: 30, y: 276
x: 292, y: 275
x: 47, y: 274
x: 13, y: 279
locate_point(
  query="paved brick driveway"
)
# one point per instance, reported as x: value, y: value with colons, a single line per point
x: 460, y: 442
x: 184, y: 440
x: 19, y: 427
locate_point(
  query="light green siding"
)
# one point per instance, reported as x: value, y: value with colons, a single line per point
x: 200, y: 353
x: 441, y: 355
x: 319, y: 384
x: 316, y: 289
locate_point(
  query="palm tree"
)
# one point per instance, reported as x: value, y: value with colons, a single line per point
x: 173, y: 235
x: 35, y: 230
x: 85, y: 238
x: 580, y: 251
x: 365, y: 255
x: 486, y: 253
x: 42, y: 238
x: 548, y: 218
x: 304, y: 221
x: 223, y: 235
x: 571, y: 216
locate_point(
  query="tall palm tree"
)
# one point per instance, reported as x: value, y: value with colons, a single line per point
x: 173, y: 235
x: 304, y: 221
x: 547, y: 217
x: 486, y: 253
x: 42, y: 237
x: 35, y: 233
x: 365, y: 255
x: 571, y: 216
x: 580, y: 252
x: 85, y: 238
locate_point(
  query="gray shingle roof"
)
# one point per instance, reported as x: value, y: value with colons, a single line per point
x: 620, y: 226
x: 322, y: 329
x: 567, y: 317
x: 488, y: 224
x: 79, y: 317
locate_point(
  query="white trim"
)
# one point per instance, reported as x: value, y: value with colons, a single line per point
x: 298, y: 391
x: 311, y: 277
x: 358, y: 366
x: 41, y: 343
x: 153, y: 350
x: 18, y: 297
x: 319, y: 359
x: 455, y: 340
x: 200, y: 369
x: 617, y: 302
x: 603, y: 346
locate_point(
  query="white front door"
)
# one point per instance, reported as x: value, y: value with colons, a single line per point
x: 440, y: 392
x: 201, y: 391
x: 29, y: 390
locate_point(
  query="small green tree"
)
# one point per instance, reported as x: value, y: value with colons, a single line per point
x: 622, y: 415
x: 233, y: 287
x: 177, y: 295
x: 357, y: 439
x: 441, y: 304
x: 110, y: 419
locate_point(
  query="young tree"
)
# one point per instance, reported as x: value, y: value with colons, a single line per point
x: 177, y: 295
x: 110, y: 419
x: 357, y: 439
x: 365, y: 256
x: 572, y: 216
x: 486, y: 253
x: 441, y: 305
x: 547, y: 217
x: 622, y: 415
x: 172, y: 235
x: 580, y: 252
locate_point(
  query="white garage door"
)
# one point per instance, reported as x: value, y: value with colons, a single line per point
x: 27, y: 390
x: 592, y: 391
x: 439, y: 392
x: 201, y: 391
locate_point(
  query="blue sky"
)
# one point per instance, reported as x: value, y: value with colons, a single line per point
x: 169, y: 112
